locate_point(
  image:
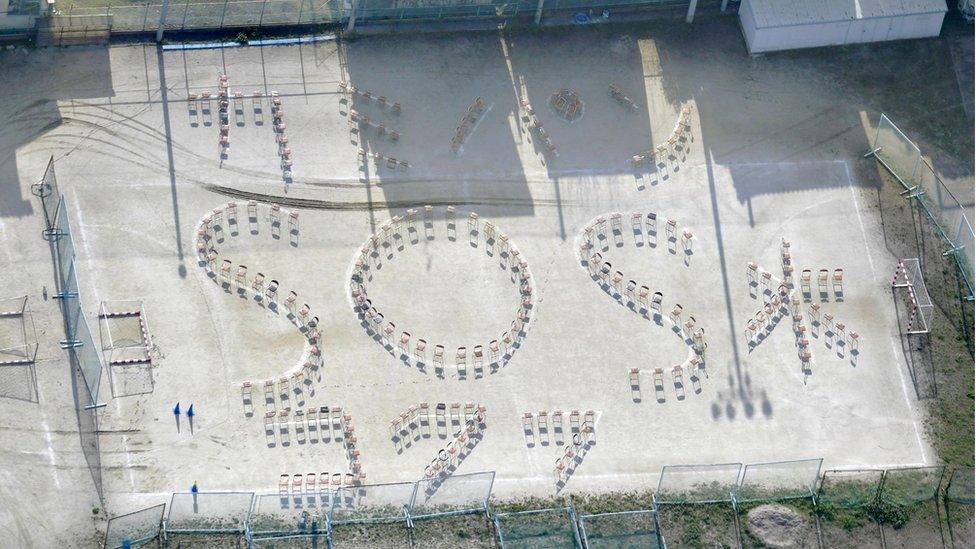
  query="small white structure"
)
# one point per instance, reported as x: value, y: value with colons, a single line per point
x: 773, y: 25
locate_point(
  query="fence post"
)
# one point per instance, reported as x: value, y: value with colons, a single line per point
x: 162, y: 19
x: 691, y: 11
x: 185, y: 10
x: 301, y: 10
x: 352, y: 16
x: 538, y: 12
x: 261, y: 20
x: 223, y: 14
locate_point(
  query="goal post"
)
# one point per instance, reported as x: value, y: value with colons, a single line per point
x: 909, y: 281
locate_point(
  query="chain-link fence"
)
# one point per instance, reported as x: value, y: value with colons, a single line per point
x: 911, y: 485
x: 127, y: 17
x: 950, y: 217
x: 680, y: 484
x: 209, y: 513
x: 961, y: 487
x: 632, y: 529
x: 778, y: 481
x: 135, y: 529
x: 538, y: 528
x: 83, y: 355
x: 457, y: 494
x: 47, y: 190
x: 78, y: 336
x: 850, y: 488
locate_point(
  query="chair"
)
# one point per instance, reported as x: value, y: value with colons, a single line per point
x: 805, y: 276
x: 479, y: 356
x: 290, y: 302
x: 634, y: 377
x: 506, y: 339
x: 283, y: 482
x: 752, y: 272
x: 404, y: 342
x: 388, y: 331
x: 838, y: 279
x: 853, y: 339
x: 439, y: 355
x: 257, y: 284
x: 617, y: 281
x: 493, y: 351
x: 631, y: 291
x: 420, y: 351
x: 296, y: 483
x: 814, y: 311
x: 461, y: 356
x: 765, y: 280
x: 671, y: 228
x: 310, y: 482
x: 225, y: 269
x: 656, y: 301
x: 822, y: 279
x: 751, y: 328
x: 676, y: 313
x: 642, y: 296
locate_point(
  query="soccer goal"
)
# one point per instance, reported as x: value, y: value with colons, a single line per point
x: 908, y: 278
x: 18, y: 337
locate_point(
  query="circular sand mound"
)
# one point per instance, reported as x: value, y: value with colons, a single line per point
x: 778, y: 526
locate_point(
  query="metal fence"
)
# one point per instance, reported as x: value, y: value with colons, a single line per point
x: 850, y: 488
x: 951, y: 218
x: 83, y: 352
x: 193, y: 15
x: 47, y: 190
x: 680, y: 484
x: 911, y: 485
x: 134, y: 529
x: 307, y: 516
x: 778, y: 481
x: 538, y: 528
x: 961, y: 487
x: 623, y: 529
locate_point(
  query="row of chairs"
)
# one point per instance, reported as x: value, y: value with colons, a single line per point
x: 642, y: 297
x: 418, y: 414
x: 310, y: 483
x: 824, y: 280
x: 222, y: 110
x: 380, y: 159
x: 381, y: 100
x: 536, y: 124
x: 467, y: 123
x: 540, y: 420
x: 622, y: 99
x: 449, y: 457
x: 281, y: 138
x: 402, y: 341
x: 566, y: 463
x: 357, y: 475
x: 362, y: 120
x: 640, y: 222
x: 263, y: 288
x: 323, y: 419
x: 660, y: 154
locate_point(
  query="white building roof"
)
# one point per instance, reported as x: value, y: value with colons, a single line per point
x: 782, y: 13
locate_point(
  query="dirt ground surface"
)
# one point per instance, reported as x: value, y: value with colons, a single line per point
x: 775, y: 151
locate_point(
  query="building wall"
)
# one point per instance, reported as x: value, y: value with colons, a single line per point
x: 835, y: 33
